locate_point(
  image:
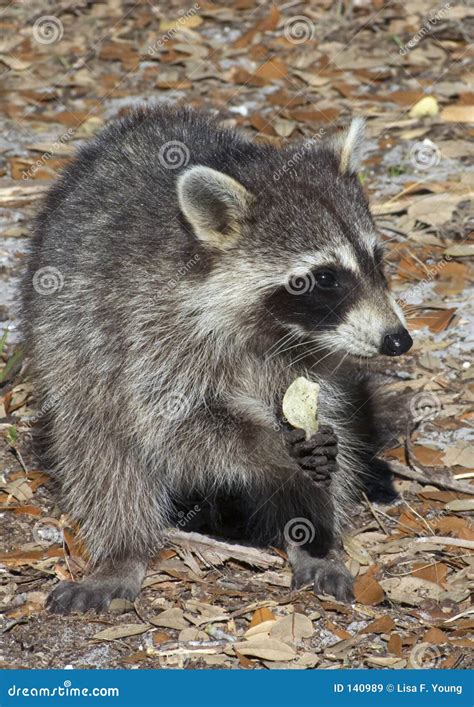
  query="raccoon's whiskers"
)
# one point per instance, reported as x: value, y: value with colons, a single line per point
x: 280, y: 344
x: 314, y: 350
x: 339, y: 364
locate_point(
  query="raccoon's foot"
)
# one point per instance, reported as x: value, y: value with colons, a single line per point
x: 317, y: 455
x: 328, y: 575
x: 120, y: 580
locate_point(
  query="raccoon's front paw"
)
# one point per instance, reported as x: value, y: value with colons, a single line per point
x: 317, y: 455
x: 327, y: 577
x: 70, y: 597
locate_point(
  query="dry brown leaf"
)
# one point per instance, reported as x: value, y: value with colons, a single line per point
x: 269, y: 22
x: 435, y: 572
x: 187, y: 21
x: 292, y: 628
x: 436, y: 321
x: 27, y: 609
x: 411, y: 590
x: 395, y: 645
x: 435, y: 636
x: 272, y: 70
x: 14, y: 62
x: 121, y: 631
x: 120, y: 606
x: 20, y: 489
x: 384, y: 624
x: 266, y: 649
x: 368, y: 591
x: 159, y: 637
x: 170, y: 618
x: 356, y: 550
x: 458, y: 114
x: 460, y: 455
x: 263, y: 628
x: 464, y: 504
x: 434, y: 209
x: 460, y: 250
x: 261, y: 615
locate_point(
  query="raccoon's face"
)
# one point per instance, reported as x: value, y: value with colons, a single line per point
x: 305, y: 254
x: 341, y: 301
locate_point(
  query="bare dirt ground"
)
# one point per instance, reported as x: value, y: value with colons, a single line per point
x: 281, y: 71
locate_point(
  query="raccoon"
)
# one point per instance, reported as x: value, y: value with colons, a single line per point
x: 180, y: 277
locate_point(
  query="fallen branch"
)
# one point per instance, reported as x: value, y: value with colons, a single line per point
x: 186, y: 647
x: 444, y: 540
x: 217, y: 551
x: 403, y: 471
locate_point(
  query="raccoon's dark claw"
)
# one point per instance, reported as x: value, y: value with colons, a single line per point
x: 78, y: 597
x: 322, y: 443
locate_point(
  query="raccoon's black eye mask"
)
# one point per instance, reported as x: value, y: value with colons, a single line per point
x: 316, y: 299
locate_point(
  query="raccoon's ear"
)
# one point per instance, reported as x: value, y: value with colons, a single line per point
x: 214, y: 204
x: 348, y: 146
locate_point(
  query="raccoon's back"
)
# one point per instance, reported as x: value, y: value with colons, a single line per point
x: 110, y: 229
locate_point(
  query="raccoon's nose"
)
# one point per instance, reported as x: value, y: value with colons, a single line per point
x: 397, y: 343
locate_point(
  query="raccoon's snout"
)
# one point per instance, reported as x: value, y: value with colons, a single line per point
x: 396, y: 343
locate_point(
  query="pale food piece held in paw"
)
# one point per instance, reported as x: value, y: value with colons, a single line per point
x: 300, y: 405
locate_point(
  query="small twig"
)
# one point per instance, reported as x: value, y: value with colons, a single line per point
x: 420, y: 468
x: 16, y: 453
x: 420, y: 517
x: 185, y: 647
x: 406, y: 473
x: 464, y: 475
x: 395, y: 520
x: 219, y: 635
x: 468, y: 612
x: 377, y: 519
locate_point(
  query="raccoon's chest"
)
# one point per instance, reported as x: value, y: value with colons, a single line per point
x: 258, y: 388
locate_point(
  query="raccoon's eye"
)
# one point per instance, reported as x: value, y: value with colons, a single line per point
x: 325, y: 279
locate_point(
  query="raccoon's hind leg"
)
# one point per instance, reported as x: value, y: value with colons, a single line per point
x: 111, y: 580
